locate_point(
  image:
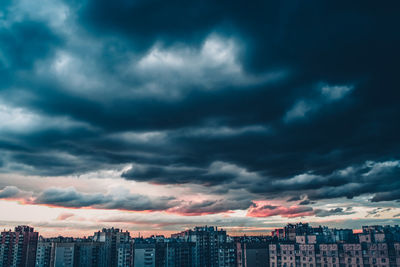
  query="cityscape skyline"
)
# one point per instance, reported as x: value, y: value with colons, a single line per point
x: 158, y: 116
x: 147, y: 234
x: 294, y: 245
x: 268, y: 233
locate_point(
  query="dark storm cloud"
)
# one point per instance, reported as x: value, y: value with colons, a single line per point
x: 176, y: 175
x: 277, y: 31
x: 70, y: 198
x: 25, y: 42
x: 296, y: 99
x: 386, y: 196
x: 156, y: 173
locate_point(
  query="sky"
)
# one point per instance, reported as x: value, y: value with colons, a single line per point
x: 155, y: 116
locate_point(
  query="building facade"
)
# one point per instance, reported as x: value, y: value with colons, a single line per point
x: 18, y: 247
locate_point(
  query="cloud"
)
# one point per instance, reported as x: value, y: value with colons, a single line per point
x: 377, y: 212
x: 119, y: 198
x: 295, y: 211
x: 65, y: 216
x: 328, y: 94
x: 69, y: 197
x: 306, y: 202
x: 370, y: 177
x: 335, y: 92
x: 19, y: 120
x: 199, y: 96
x: 288, y: 212
x: 14, y: 37
x: 184, y: 68
x: 216, y: 173
x: 386, y: 196
x: 9, y: 192
x: 195, y: 208
x: 332, y: 212
x: 299, y: 110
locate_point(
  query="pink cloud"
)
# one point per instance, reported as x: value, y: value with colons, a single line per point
x: 287, y: 212
x: 64, y: 216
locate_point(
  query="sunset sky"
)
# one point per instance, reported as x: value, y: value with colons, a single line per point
x: 155, y: 116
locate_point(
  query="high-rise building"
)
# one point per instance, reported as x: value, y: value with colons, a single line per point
x: 163, y: 252
x: 18, y: 248
x: 55, y: 252
x: 116, y: 246
x: 208, y: 240
x: 44, y: 253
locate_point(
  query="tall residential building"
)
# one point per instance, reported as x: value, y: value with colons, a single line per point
x: 208, y: 240
x: 163, y: 252
x: 116, y: 249
x: 18, y: 248
x: 44, y: 253
x: 54, y: 252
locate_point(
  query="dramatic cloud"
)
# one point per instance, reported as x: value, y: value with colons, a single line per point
x: 223, y: 105
x: 69, y: 197
x: 122, y: 199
